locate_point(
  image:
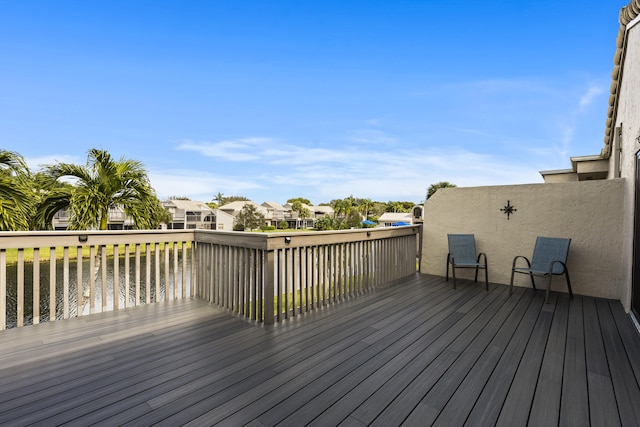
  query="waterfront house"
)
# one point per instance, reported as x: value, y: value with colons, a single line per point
x: 192, y: 214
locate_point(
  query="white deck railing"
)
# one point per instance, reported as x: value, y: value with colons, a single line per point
x: 46, y: 276
x: 91, y: 272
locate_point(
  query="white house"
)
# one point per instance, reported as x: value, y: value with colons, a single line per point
x: 190, y: 214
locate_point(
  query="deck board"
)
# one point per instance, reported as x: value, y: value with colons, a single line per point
x: 414, y: 352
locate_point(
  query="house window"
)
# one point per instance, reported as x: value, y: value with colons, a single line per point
x: 194, y: 216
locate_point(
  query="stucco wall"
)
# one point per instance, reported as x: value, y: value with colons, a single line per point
x: 628, y: 120
x: 588, y: 212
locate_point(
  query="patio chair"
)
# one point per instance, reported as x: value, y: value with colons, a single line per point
x: 549, y: 259
x: 462, y: 254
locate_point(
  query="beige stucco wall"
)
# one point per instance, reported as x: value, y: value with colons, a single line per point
x: 628, y: 120
x: 588, y: 212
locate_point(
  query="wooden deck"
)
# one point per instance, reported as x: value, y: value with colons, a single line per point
x: 413, y: 353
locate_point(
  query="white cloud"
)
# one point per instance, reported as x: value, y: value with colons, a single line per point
x: 197, y: 185
x: 237, y: 150
x: 35, y: 163
x: 587, y: 99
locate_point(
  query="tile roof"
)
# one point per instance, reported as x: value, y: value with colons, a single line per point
x: 627, y: 14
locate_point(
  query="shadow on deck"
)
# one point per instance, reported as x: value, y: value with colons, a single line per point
x: 416, y: 352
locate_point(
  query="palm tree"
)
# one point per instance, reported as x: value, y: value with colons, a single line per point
x: 435, y: 187
x: 15, y: 195
x: 100, y: 184
x: 49, y: 196
x: 365, y: 206
x: 303, y: 212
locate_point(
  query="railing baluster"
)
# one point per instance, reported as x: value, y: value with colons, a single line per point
x: 147, y: 256
x: 167, y: 281
x: 156, y: 247
x: 52, y: 284
x: 116, y: 277
x: 3, y: 289
x: 79, y: 282
x: 138, y: 267
x: 127, y: 278
x: 20, y: 290
x: 36, y: 286
x: 92, y: 278
x: 268, y: 269
x: 176, y: 283
x: 65, y: 283
x: 103, y: 277
x: 184, y: 270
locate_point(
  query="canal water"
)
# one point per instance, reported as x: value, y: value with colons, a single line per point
x: 12, y: 293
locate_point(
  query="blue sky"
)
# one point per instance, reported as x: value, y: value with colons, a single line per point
x: 278, y: 99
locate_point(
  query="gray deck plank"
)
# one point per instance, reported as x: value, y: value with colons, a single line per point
x: 440, y: 356
x: 345, y: 394
x: 489, y: 404
x: 459, y: 405
x: 575, y: 398
x: 379, y: 352
x: 545, y: 410
x: 624, y: 382
x: 516, y: 408
x: 413, y: 351
x: 629, y: 335
x: 603, y: 409
x: 377, y: 400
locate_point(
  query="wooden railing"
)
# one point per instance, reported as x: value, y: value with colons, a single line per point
x: 45, y: 276
x: 270, y: 277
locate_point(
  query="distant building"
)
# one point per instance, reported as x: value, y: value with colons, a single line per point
x: 189, y: 215
x: 275, y: 213
x: 389, y: 218
x: 118, y: 220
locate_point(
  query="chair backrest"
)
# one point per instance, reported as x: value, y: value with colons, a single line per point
x: 462, y: 247
x: 547, y: 250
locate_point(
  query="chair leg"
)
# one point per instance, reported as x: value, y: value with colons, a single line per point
x: 533, y: 282
x: 453, y: 270
x: 486, y: 277
x: 546, y: 296
x: 476, y: 279
x: 448, y: 262
x: 566, y: 273
x: 511, y: 283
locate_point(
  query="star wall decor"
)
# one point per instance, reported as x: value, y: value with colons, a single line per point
x: 508, y: 209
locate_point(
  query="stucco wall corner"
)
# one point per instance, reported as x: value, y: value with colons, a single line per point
x: 589, y: 212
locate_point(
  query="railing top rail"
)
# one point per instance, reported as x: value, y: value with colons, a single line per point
x: 279, y: 240
x: 34, y: 239
x: 264, y: 241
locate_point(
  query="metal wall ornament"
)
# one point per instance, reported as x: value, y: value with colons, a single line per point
x: 508, y: 209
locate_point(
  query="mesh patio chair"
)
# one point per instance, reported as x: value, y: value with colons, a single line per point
x: 462, y: 254
x: 549, y: 259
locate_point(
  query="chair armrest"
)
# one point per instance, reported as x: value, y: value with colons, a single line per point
x: 513, y: 266
x: 553, y: 263
x: 482, y: 254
